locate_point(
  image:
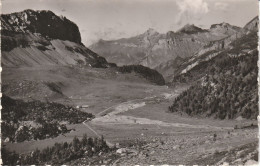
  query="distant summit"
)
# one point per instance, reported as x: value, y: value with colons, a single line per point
x: 191, y: 29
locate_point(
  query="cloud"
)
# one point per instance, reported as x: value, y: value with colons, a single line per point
x: 221, y: 5
x: 190, y: 10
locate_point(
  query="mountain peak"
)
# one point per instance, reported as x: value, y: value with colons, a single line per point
x: 190, y: 29
x: 44, y: 22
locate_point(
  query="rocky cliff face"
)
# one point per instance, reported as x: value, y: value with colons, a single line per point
x: 43, y: 22
x: 31, y: 38
x: 161, y: 51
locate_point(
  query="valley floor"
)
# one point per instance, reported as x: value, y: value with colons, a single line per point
x: 174, y: 139
x: 133, y: 114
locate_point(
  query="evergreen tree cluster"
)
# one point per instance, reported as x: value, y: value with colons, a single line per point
x: 60, y: 153
x: 27, y: 133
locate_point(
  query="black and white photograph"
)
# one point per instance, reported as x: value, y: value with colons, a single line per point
x: 129, y: 82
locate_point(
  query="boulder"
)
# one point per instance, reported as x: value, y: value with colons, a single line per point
x: 121, y: 150
x: 7, y: 139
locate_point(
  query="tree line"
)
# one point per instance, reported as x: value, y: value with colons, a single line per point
x: 60, y: 153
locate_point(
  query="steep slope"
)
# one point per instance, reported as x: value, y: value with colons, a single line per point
x: 226, y: 78
x: 161, y: 51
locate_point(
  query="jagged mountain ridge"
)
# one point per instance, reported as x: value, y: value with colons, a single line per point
x: 155, y: 50
x: 215, y: 48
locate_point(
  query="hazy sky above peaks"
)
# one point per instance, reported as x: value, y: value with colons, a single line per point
x: 113, y: 19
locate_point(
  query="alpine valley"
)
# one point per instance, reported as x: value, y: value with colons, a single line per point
x: 184, y: 97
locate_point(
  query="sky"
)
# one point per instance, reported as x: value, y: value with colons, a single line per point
x: 114, y: 19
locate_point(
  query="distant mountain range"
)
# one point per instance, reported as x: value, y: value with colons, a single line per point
x: 220, y: 65
x: 162, y: 52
